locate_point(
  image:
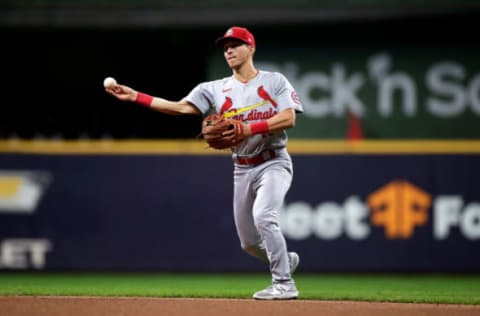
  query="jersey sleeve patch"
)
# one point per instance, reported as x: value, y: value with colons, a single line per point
x: 295, y: 97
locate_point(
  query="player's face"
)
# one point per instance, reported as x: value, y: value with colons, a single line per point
x: 236, y: 53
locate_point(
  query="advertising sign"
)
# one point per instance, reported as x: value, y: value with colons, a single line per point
x: 174, y: 213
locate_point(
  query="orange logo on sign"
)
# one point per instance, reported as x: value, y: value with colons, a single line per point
x: 399, y: 206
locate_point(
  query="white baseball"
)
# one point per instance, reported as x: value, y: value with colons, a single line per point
x: 109, y: 82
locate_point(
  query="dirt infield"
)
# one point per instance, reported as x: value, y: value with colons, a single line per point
x: 140, y: 306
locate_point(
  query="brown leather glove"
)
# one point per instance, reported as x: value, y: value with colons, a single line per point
x: 220, y: 132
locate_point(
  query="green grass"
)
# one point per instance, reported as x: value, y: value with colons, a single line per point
x: 429, y: 288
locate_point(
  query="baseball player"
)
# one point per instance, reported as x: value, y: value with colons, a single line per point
x: 266, y: 104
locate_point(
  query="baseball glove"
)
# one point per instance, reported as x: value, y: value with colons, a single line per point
x: 220, y: 132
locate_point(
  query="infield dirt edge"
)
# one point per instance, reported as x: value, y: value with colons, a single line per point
x: 145, y: 306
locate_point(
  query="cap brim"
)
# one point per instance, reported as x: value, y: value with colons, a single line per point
x: 221, y: 40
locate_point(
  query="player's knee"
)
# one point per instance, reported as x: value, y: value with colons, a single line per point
x: 263, y: 224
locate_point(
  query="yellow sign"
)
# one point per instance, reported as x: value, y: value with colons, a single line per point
x: 9, y: 186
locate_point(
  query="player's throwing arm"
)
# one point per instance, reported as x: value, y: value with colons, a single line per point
x: 126, y: 93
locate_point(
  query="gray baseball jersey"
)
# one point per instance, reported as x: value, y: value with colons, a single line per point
x: 259, y: 190
x: 256, y: 100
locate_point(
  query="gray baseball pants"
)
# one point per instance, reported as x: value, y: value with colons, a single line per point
x: 259, y: 192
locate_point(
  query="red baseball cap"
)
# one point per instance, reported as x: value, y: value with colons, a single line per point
x: 239, y: 33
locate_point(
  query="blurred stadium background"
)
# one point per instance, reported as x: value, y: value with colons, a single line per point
x: 386, y: 155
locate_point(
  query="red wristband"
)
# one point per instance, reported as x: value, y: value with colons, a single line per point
x: 259, y: 127
x: 144, y: 99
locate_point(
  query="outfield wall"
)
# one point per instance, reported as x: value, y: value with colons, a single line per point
x: 348, y: 209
